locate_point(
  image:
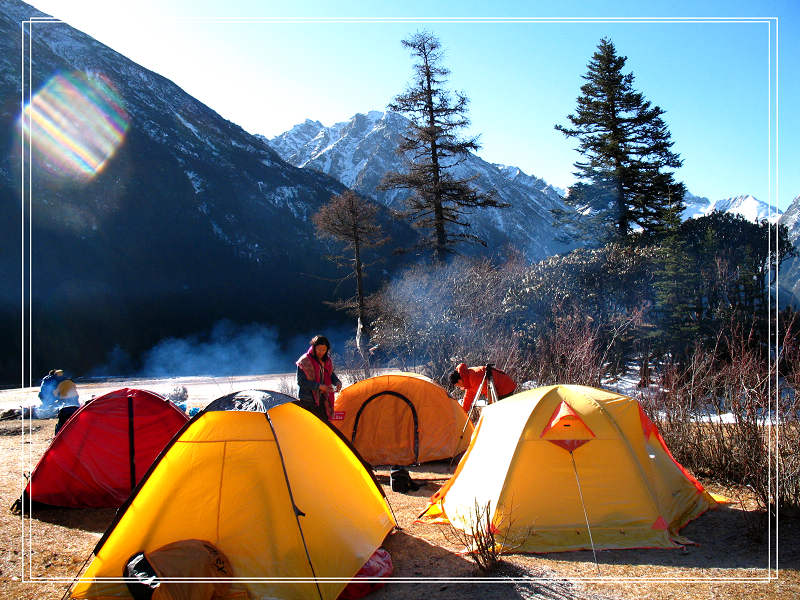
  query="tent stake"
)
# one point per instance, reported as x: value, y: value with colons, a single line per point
x: 585, y: 515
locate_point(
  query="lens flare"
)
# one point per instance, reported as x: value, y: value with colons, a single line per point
x: 75, y: 123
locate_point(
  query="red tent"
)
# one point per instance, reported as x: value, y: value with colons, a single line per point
x: 104, y: 449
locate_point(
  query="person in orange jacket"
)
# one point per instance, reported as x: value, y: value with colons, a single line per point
x: 470, y: 379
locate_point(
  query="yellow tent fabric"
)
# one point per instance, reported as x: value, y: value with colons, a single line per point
x: 548, y: 459
x: 401, y: 419
x: 234, y: 478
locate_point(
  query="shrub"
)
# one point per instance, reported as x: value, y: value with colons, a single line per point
x: 478, y: 540
x: 721, y: 418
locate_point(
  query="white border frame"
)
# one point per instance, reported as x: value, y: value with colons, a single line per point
x: 26, y: 319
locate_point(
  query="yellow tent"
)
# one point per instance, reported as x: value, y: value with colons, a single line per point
x: 401, y: 419
x: 569, y: 467
x: 278, y: 492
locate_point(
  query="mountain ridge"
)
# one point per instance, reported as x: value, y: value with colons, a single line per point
x: 359, y: 151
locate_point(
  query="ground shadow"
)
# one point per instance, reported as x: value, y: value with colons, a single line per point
x: 426, y: 486
x: 92, y: 520
x: 724, y: 538
x: 446, y: 573
x: 14, y: 427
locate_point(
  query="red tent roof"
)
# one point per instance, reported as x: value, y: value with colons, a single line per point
x: 104, y: 449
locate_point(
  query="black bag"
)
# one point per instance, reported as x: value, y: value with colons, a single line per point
x: 63, y: 416
x: 401, y: 481
x: 140, y: 577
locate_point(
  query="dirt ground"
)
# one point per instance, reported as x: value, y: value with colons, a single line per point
x: 730, y: 561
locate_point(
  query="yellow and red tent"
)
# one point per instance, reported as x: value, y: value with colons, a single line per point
x: 265, y: 483
x: 401, y: 419
x: 569, y: 467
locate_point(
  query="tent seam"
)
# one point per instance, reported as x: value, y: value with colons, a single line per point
x: 219, y: 490
x: 512, y: 463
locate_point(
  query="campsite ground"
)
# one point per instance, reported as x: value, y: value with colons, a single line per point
x: 730, y: 561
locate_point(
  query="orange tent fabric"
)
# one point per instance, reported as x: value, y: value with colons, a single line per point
x: 401, y: 419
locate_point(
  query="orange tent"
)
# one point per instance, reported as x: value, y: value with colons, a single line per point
x: 401, y: 419
x: 569, y: 467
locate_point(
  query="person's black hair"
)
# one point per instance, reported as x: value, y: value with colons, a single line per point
x: 454, y: 377
x: 320, y: 340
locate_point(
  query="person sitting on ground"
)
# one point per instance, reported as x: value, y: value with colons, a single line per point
x: 316, y: 380
x: 470, y: 379
x: 48, y: 387
x: 55, y: 392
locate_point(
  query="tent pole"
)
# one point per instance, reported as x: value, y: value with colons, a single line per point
x: 491, y: 391
x: 297, y: 511
x: 585, y: 515
x: 131, y: 443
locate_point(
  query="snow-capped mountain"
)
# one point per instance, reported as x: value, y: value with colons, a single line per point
x: 359, y: 152
x: 789, y: 272
x: 749, y: 207
x: 791, y: 218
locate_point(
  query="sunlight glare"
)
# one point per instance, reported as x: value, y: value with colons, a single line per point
x: 75, y: 123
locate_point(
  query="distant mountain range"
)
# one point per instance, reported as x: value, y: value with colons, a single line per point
x: 789, y: 272
x: 359, y: 152
x: 749, y: 207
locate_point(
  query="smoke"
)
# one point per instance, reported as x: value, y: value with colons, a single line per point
x: 118, y: 363
x: 228, y: 349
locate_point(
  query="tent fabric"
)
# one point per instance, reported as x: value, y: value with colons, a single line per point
x: 401, y: 419
x: 520, y: 464
x: 104, y: 449
x: 273, y: 488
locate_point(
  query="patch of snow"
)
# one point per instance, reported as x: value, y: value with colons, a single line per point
x: 188, y: 125
x: 193, y: 129
x: 218, y: 231
x: 197, y: 182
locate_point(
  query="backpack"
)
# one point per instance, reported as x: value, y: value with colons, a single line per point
x: 401, y: 481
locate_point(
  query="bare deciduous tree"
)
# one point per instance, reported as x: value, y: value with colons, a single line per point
x: 351, y: 219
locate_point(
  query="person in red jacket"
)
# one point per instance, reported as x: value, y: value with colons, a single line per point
x: 316, y: 380
x: 471, y: 378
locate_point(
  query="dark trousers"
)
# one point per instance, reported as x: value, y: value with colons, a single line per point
x: 314, y: 408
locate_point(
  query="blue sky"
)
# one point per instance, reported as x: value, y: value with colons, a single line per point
x: 716, y: 80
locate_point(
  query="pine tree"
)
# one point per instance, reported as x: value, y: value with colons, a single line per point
x: 438, y: 200
x: 714, y: 269
x: 625, y: 147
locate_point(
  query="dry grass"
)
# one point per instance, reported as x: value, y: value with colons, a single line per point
x: 57, y: 542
